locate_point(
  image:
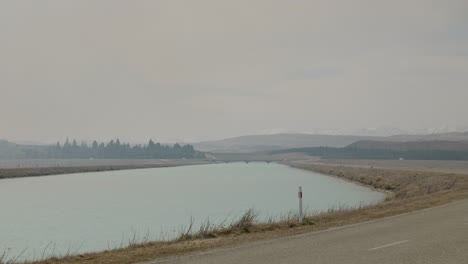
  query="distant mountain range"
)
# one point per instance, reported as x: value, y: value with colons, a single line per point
x: 255, y: 143
x: 452, y: 141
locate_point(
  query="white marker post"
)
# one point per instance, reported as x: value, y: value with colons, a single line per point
x: 301, y: 216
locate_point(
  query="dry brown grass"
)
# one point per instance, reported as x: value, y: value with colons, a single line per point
x: 457, y: 166
x: 404, y: 184
x: 410, y: 191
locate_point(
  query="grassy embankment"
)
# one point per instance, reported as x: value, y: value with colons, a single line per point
x: 35, y: 172
x: 408, y: 190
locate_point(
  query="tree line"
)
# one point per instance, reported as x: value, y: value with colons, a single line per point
x: 113, y: 149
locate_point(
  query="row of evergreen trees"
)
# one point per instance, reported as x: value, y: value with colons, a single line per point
x: 117, y: 150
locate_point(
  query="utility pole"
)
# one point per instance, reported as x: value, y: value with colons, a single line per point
x: 301, y: 216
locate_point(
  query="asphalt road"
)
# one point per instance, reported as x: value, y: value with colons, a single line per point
x: 438, y: 235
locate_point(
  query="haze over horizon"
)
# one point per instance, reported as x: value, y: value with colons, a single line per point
x: 197, y: 70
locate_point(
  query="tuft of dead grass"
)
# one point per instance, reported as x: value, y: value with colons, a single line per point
x: 245, y: 222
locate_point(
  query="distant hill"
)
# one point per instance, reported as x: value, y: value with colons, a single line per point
x: 412, y: 145
x: 9, y: 150
x: 386, y: 150
x: 256, y: 143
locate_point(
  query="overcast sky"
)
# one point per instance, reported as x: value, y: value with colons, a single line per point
x: 200, y: 69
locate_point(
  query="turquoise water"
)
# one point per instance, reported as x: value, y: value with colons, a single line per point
x: 96, y: 211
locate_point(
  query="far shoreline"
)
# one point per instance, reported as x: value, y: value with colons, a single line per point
x: 14, y: 173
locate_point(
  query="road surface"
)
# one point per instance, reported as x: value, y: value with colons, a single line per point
x: 438, y: 235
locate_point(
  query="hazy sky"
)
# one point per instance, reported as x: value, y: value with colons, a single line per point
x: 200, y: 69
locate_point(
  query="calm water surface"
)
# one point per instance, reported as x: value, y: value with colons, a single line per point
x: 96, y: 211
